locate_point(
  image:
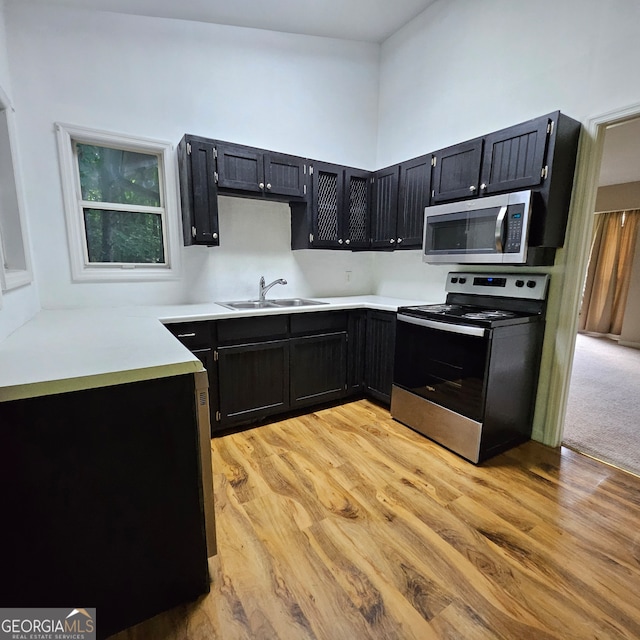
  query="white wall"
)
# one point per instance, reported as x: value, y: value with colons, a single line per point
x: 464, y: 68
x: 460, y: 69
x: 19, y: 305
x: 160, y: 78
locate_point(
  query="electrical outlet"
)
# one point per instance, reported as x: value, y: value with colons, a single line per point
x: 347, y: 277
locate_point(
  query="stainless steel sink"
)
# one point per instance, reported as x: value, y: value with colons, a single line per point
x: 270, y: 304
x: 295, y: 302
x: 247, y: 304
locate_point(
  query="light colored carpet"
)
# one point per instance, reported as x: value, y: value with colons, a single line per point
x: 603, y: 410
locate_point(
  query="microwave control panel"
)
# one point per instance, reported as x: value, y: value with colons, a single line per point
x: 514, y: 239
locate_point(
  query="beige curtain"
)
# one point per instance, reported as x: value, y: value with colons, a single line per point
x: 609, y: 272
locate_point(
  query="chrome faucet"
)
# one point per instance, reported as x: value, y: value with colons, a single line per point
x: 262, y: 292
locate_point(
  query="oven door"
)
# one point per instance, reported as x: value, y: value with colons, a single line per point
x: 486, y: 230
x: 444, y: 363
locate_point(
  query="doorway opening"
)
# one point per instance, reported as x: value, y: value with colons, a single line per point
x: 602, y: 403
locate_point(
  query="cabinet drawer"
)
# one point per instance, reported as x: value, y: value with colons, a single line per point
x: 323, y: 321
x: 193, y: 335
x: 251, y: 329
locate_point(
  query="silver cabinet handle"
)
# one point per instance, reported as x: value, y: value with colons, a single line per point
x: 483, y: 186
x: 392, y: 240
x: 347, y: 241
x: 268, y: 185
x: 186, y: 335
x: 472, y: 188
x: 399, y: 240
x: 215, y: 236
x: 261, y: 185
x: 340, y: 241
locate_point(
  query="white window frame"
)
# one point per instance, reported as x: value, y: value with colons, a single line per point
x: 84, y: 271
x: 12, y: 278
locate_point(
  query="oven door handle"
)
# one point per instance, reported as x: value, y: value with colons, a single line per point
x: 444, y: 326
x: 500, y: 228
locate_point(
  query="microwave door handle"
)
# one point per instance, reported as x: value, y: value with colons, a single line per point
x: 500, y: 228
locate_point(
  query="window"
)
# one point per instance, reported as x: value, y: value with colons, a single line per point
x: 15, y: 267
x: 120, y: 201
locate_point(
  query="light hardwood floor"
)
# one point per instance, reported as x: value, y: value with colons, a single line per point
x: 345, y: 525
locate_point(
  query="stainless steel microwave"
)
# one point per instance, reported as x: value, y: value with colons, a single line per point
x: 490, y: 230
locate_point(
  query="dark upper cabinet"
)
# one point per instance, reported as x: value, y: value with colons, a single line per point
x: 514, y: 158
x: 198, y: 191
x: 456, y: 171
x: 415, y: 186
x: 507, y: 160
x: 239, y: 167
x: 355, y: 218
x: 337, y: 216
x: 401, y: 192
x: 384, y: 212
x: 327, y: 205
x: 337, y: 207
x: 539, y: 154
x: 258, y: 171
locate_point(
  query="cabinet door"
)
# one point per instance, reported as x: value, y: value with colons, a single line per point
x: 384, y: 213
x: 356, y: 350
x: 514, y: 158
x: 285, y: 175
x: 240, y: 168
x: 198, y: 191
x: 379, y: 357
x: 355, y: 217
x: 254, y: 382
x: 318, y: 368
x: 456, y: 171
x: 415, y: 185
x: 327, y: 192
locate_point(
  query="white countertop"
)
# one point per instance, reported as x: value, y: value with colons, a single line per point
x: 70, y: 350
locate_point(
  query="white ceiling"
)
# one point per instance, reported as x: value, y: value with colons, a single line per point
x: 366, y: 20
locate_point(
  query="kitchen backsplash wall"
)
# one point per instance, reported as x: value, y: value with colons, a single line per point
x: 255, y: 240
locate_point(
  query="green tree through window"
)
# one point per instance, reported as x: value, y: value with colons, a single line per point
x: 122, y: 205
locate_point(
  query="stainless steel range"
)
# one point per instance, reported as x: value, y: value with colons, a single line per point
x: 466, y: 371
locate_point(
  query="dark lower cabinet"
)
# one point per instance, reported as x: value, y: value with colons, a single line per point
x: 379, y: 354
x: 253, y: 381
x: 266, y: 365
x: 248, y: 170
x: 318, y: 368
x: 199, y: 338
x: 357, y: 341
x: 103, y: 501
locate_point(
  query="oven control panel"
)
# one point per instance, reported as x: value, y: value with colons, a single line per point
x: 530, y: 286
